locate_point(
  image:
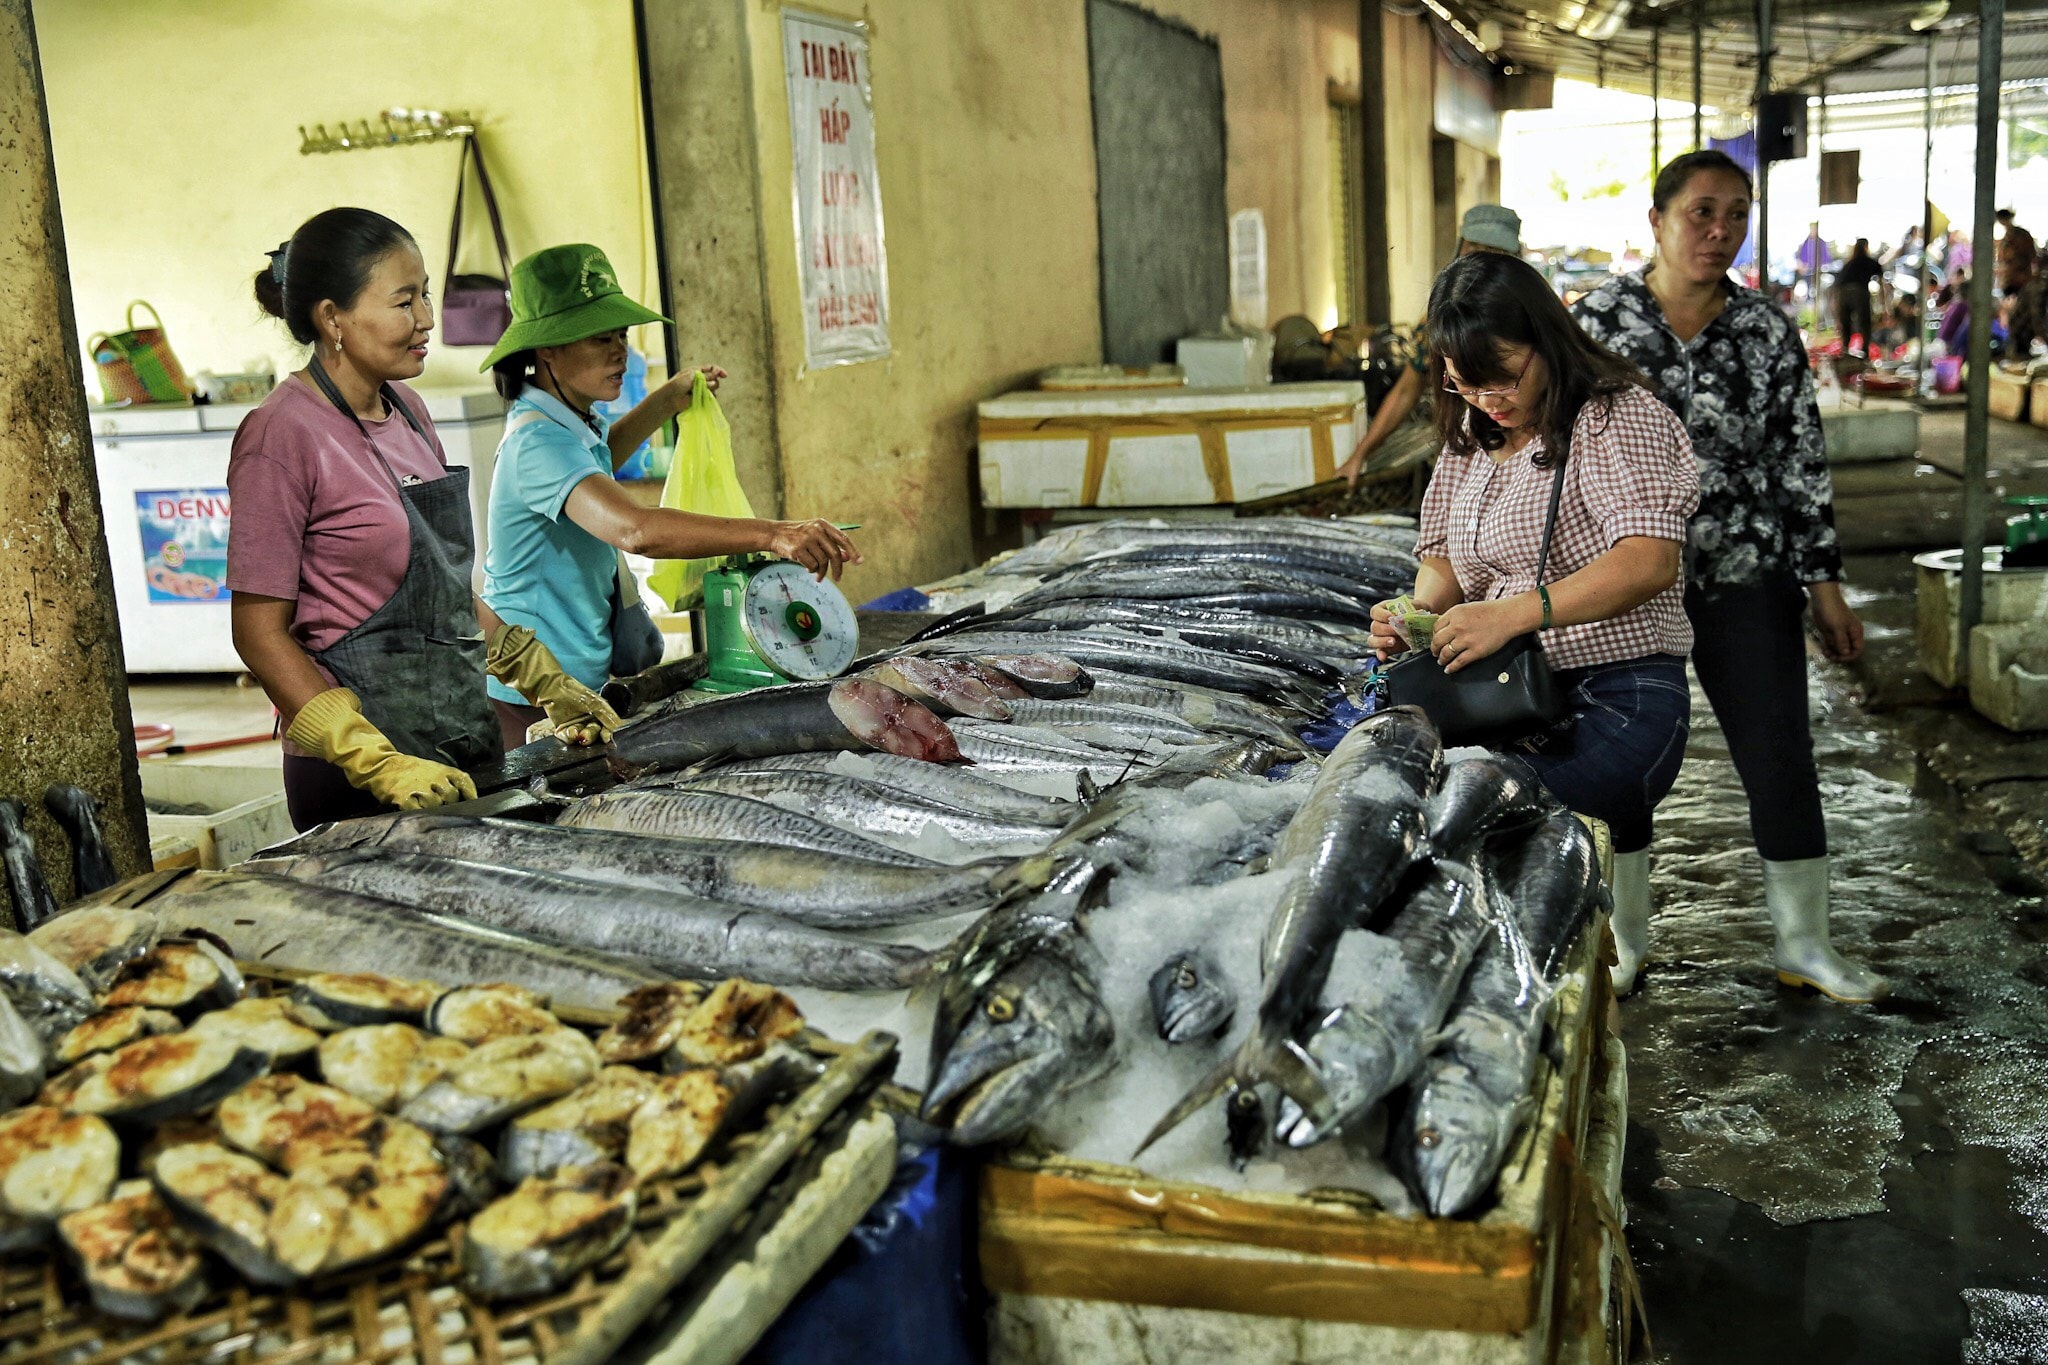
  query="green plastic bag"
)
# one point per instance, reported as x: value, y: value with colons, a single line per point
x: 701, y: 478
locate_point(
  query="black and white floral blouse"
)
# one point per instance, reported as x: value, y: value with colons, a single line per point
x: 1745, y: 393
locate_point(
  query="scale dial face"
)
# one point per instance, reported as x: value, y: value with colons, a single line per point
x: 801, y: 627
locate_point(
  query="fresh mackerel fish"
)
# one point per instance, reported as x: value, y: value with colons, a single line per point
x: 814, y: 888
x: 673, y: 933
x: 288, y: 923
x: 1346, y: 849
x: 700, y: 814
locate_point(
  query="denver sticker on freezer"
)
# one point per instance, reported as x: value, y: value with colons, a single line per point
x: 184, y: 543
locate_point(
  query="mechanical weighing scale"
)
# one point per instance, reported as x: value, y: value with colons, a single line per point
x: 767, y: 621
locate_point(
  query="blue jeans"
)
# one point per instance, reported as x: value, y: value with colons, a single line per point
x: 1618, y: 753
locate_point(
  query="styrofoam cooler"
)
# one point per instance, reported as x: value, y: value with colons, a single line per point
x: 1165, y: 448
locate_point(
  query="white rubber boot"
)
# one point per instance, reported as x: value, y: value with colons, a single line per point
x: 1797, y: 894
x: 1631, y: 917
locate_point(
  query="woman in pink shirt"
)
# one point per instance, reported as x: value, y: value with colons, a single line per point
x: 350, y: 547
x: 1523, y: 389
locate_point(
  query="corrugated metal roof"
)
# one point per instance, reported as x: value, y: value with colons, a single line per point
x: 1854, y: 46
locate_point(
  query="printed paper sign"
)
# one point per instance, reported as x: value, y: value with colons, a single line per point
x: 838, y: 197
x: 184, y: 543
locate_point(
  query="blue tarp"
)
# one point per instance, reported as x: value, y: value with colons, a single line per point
x: 903, y: 1288
x: 903, y: 599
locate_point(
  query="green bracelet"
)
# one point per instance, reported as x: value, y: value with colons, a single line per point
x: 1544, y: 593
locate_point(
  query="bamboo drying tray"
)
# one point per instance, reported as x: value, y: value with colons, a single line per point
x: 414, y: 1310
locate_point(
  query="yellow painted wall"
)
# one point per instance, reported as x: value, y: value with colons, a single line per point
x: 984, y: 149
x: 986, y: 155
x: 176, y: 135
x: 1279, y: 57
x: 1410, y: 74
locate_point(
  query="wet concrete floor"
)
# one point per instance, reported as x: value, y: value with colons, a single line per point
x: 1818, y: 1183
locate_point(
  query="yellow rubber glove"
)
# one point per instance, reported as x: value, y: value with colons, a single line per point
x: 332, y: 726
x: 519, y: 660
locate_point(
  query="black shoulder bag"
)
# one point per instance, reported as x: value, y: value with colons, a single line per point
x: 1507, y: 696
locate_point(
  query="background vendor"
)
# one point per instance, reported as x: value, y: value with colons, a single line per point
x: 557, y: 516
x: 1486, y: 227
x: 350, y: 550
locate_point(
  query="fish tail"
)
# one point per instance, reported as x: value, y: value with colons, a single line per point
x: 1104, y: 810
x: 1026, y: 874
x: 1257, y: 1060
x: 1202, y: 1092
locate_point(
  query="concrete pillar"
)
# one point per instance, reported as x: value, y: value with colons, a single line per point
x: 708, y: 198
x: 63, y: 687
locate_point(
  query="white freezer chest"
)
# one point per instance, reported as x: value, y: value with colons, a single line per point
x: 163, y: 497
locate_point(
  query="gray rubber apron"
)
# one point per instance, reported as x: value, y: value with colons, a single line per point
x: 417, y: 663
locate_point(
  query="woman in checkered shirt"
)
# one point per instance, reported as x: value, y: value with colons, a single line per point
x: 1536, y: 390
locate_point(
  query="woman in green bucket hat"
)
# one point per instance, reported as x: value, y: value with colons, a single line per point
x: 557, y: 516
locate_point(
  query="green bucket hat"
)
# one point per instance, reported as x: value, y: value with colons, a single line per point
x: 564, y: 294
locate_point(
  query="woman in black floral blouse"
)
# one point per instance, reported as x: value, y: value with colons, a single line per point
x: 1762, y: 552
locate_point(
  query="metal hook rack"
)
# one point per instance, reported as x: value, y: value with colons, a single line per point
x: 394, y: 128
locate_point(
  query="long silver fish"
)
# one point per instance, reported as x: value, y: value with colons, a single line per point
x: 699, y: 814
x: 1074, y: 544
x: 1126, y: 722
x: 1020, y: 1017
x: 818, y: 890
x: 941, y: 782
x: 1126, y: 653
x: 1373, y: 1040
x: 675, y: 934
x: 1340, y: 644
x: 851, y: 713
x: 1219, y: 712
x: 882, y: 812
x: 1473, y: 1091
x: 1001, y: 748
x: 289, y: 923
x: 1347, y: 848
x: 1314, y: 596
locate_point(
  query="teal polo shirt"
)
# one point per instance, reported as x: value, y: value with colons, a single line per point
x: 542, y: 570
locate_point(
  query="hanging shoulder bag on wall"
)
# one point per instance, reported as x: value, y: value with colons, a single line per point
x: 1507, y: 696
x: 138, y: 366
x: 475, y: 309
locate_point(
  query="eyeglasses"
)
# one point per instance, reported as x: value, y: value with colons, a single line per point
x: 1474, y: 395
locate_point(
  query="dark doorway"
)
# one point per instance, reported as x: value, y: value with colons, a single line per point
x: 1158, y: 94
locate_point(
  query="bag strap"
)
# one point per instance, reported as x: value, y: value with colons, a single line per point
x: 154, y: 316
x: 470, y: 148
x: 1550, y: 524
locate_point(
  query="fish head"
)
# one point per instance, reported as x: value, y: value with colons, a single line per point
x: 1353, y: 1061
x: 1039, y: 1027
x: 1189, y: 1000
x: 1460, y: 1137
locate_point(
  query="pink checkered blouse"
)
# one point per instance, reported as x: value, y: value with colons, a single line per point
x: 1630, y: 473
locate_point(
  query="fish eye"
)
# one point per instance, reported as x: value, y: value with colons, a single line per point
x: 1000, y: 1009
x: 1187, y: 979
x: 1428, y: 1139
